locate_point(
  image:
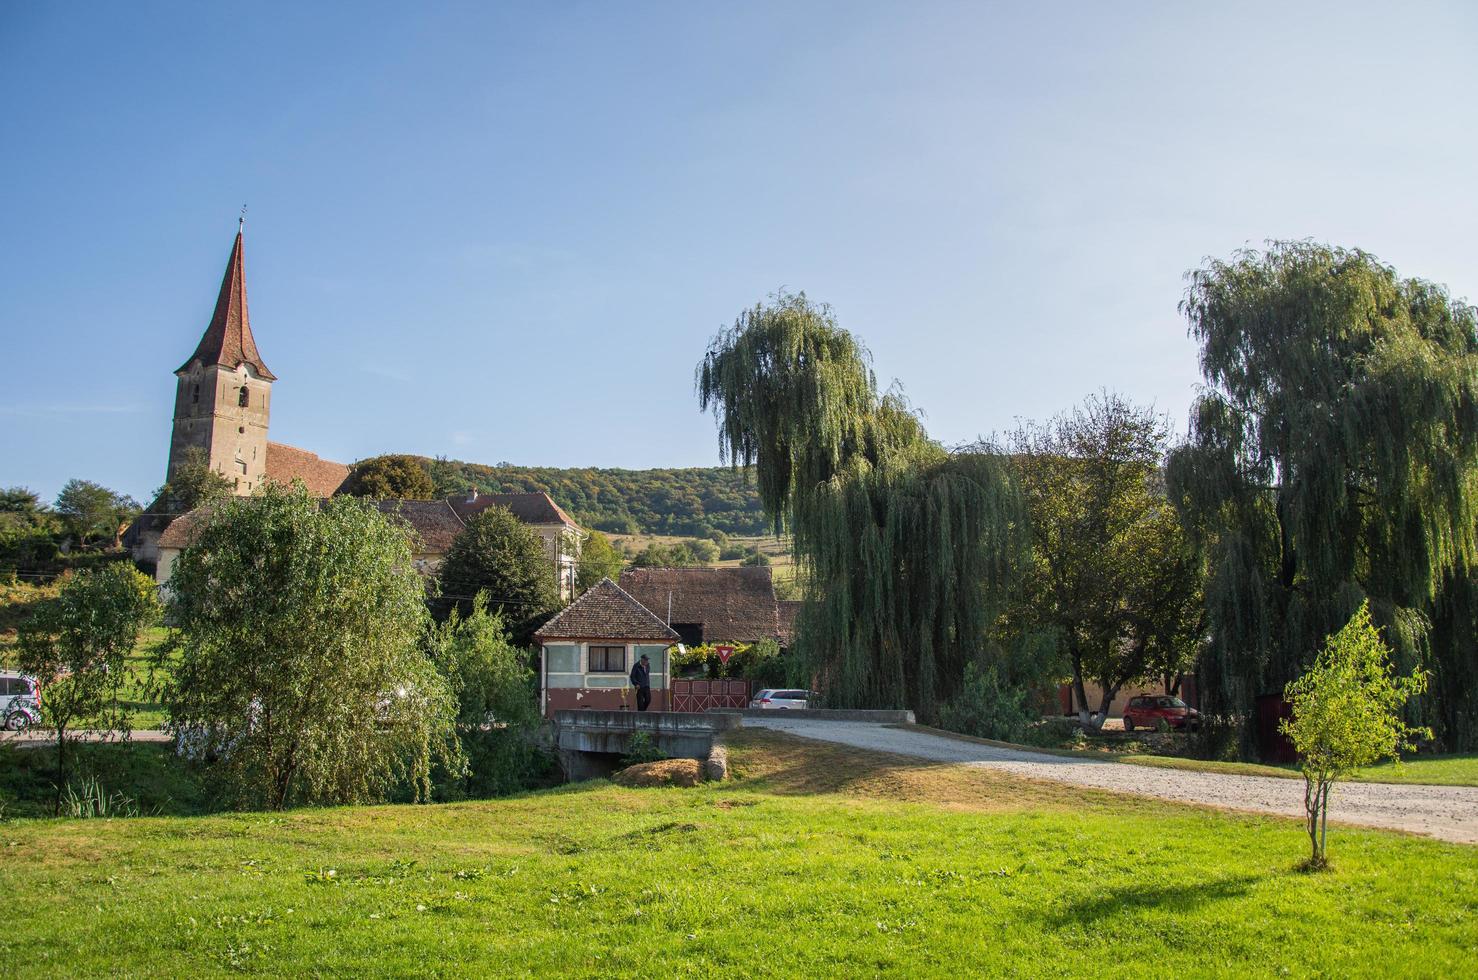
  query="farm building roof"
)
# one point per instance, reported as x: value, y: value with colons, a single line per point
x: 731, y: 604
x: 606, y: 612
x: 531, y: 508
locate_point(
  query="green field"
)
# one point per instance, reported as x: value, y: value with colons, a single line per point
x: 819, y: 860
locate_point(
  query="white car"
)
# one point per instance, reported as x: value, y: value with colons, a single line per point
x: 19, y: 706
x: 781, y: 699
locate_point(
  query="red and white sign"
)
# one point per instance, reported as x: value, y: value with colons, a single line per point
x: 724, y: 653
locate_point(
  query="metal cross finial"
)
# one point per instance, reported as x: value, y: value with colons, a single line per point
x: 241, y: 221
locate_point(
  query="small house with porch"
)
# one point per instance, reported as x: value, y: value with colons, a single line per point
x: 587, y: 652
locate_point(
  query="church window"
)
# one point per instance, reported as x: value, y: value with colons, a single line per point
x: 244, y: 399
x: 195, y: 395
x: 241, y: 465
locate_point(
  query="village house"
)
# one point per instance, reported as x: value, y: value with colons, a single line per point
x: 587, y: 652
x: 222, y: 409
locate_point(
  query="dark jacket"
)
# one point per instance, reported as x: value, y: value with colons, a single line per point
x: 641, y: 675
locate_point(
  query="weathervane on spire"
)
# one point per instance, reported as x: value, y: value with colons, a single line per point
x: 241, y: 221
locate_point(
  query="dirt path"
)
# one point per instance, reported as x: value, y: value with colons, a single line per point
x: 1447, y: 812
x: 34, y: 739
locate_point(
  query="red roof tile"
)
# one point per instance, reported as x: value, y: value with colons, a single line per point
x: 228, y: 340
x: 731, y: 604
x: 322, y: 477
x: 434, y: 522
x: 531, y: 508
x: 606, y: 612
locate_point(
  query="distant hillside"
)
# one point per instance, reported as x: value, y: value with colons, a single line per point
x: 691, y: 501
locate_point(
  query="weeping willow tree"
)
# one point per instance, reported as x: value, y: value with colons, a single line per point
x: 903, y: 550
x: 1332, y: 457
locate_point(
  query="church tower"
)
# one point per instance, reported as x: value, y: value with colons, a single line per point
x: 224, y: 393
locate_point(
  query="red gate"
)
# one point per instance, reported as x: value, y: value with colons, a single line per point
x: 701, y: 695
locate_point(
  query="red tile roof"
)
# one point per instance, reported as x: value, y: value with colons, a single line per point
x: 606, y: 612
x: 731, y: 604
x: 322, y: 477
x: 531, y: 508
x: 183, y: 530
x: 434, y: 523
x: 228, y: 340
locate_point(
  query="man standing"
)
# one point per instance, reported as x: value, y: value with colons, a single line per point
x: 641, y: 679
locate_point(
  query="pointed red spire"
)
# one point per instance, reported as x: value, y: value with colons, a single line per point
x: 228, y: 340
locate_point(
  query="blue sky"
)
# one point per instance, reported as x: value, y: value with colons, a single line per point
x: 506, y: 232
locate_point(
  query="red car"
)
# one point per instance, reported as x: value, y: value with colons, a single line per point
x: 1148, y: 710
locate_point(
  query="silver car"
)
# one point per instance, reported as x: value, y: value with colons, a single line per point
x: 781, y: 698
x: 19, y: 705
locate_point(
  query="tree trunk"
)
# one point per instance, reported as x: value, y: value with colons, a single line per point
x: 1084, y: 716
x: 1109, y: 693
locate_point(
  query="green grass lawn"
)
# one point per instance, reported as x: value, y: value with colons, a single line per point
x: 820, y: 860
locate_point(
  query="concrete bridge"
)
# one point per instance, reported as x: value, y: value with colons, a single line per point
x: 591, y: 743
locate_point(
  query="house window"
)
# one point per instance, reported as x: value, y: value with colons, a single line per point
x: 244, y: 398
x: 608, y: 660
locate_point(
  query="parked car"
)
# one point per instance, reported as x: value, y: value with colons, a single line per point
x: 20, y: 701
x: 781, y: 699
x: 1148, y: 710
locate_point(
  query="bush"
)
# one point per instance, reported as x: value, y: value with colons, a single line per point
x: 705, y: 552
x: 87, y: 798
x: 641, y: 749
x: 497, y: 706
x: 732, y: 552
x: 986, y: 707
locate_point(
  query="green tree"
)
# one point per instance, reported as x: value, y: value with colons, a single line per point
x: 598, y: 560
x: 77, y: 645
x: 904, y: 549
x: 497, y: 704
x: 27, y: 530
x: 1347, y: 714
x: 1332, y: 457
x: 704, y: 552
x: 92, y: 512
x: 656, y: 555
x: 500, y: 555
x: 390, y: 477
x: 300, y: 668
x: 192, y: 484
x: 755, y: 557
x: 1111, y: 577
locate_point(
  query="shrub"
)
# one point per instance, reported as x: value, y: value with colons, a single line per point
x: 986, y: 707
x: 497, y: 706
x: 87, y: 798
x: 641, y: 748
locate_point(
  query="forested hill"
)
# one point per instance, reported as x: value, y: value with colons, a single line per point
x: 691, y: 501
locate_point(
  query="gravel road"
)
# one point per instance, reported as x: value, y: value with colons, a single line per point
x: 1446, y: 812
